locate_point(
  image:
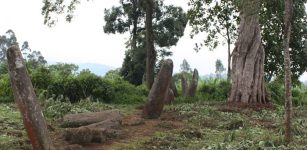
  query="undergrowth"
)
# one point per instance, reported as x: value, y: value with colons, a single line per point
x: 211, y: 126
x: 208, y: 125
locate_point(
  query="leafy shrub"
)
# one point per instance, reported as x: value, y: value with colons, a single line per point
x: 126, y: 93
x: 41, y: 78
x: 277, y: 90
x: 82, y: 86
x: 6, y: 94
x: 61, y: 82
x: 87, y: 84
x: 299, y: 95
x: 57, y: 108
x: 215, y: 89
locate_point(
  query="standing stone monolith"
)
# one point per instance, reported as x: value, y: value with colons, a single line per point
x: 170, y: 97
x: 184, y: 85
x: 159, y: 91
x: 26, y: 100
x: 174, y: 88
x: 193, y: 84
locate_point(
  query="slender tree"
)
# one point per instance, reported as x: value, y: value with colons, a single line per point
x: 288, y: 93
x: 219, y: 19
x: 6, y: 40
x: 248, y: 58
x: 272, y: 31
x: 219, y: 68
x: 151, y: 53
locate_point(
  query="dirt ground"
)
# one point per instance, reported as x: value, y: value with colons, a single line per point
x: 134, y: 128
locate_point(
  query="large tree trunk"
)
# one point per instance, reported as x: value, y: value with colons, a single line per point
x: 159, y: 91
x: 288, y: 93
x: 248, y: 59
x: 151, y: 53
x: 26, y: 100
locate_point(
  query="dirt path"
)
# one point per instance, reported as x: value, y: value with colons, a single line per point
x: 135, y: 129
x: 143, y: 128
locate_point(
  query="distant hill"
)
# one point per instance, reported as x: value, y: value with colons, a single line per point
x: 98, y: 69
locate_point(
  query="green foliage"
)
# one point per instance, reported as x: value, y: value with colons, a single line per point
x: 51, y: 8
x: 133, y: 67
x: 127, y: 93
x: 6, y: 94
x: 82, y: 86
x: 6, y: 41
x: 215, y: 89
x: 210, y: 123
x: 219, y: 68
x: 41, y: 77
x: 61, y: 81
x: 86, y: 84
x: 63, y: 70
x: 185, y: 66
x: 168, y: 26
x: 271, y: 22
x: 216, y: 18
x: 277, y: 91
x: 12, y: 132
x: 57, y: 108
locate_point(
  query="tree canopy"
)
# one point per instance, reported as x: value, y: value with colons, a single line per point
x: 169, y: 23
x: 271, y: 21
x: 211, y: 16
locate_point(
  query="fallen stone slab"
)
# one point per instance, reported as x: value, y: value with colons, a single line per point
x: 83, y: 119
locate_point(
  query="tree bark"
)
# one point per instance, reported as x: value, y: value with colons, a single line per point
x: 248, y: 59
x: 287, y: 62
x: 159, y: 91
x: 151, y: 53
x: 229, y: 56
x: 26, y: 100
x: 193, y: 84
x: 135, y: 22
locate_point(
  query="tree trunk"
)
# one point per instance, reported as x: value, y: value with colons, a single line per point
x: 229, y: 56
x: 151, y: 53
x: 248, y: 59
x: 135, y: 22
x: 159, y: 91
x: 288, y: 93
x: 26, y: 100
x: 193, y: 84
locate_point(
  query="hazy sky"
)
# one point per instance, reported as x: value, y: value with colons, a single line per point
x: 83, y: 40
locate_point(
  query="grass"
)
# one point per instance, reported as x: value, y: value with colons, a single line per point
x: 12, y: 133
x: 208, y: 125
x: 211, y: 127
